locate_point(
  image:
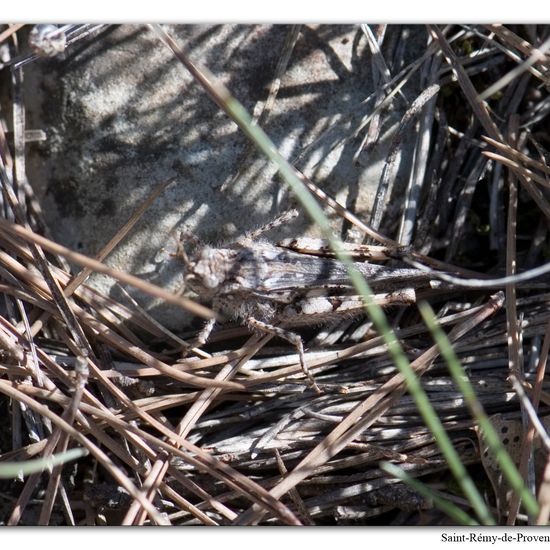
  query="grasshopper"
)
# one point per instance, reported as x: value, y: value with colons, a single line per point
x: 292, y: 283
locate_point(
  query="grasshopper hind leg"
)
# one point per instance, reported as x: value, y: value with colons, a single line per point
x: 291, y: 337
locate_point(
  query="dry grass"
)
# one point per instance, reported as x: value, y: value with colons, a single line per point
x: 231, y: 433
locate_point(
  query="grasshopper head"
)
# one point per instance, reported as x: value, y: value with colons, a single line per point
x: 209, y: 271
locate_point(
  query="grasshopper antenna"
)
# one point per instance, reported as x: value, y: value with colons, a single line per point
x: 285, y: 217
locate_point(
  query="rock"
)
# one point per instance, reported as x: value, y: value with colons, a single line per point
x: 122, y: 115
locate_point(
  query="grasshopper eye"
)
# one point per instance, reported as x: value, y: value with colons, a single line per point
x: 202, y: 280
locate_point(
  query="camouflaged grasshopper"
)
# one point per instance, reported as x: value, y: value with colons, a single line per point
x: 293, y: 283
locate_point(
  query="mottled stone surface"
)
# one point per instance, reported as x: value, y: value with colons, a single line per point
x: 122, y: 115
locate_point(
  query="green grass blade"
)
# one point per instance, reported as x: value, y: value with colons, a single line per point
x: 15, y: 469
x: 221, y: 95
x: 453, y: 511
x: 461, y: 380
x: 375, y: 312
